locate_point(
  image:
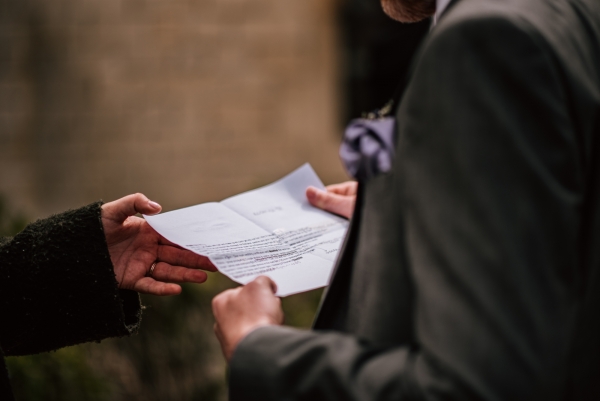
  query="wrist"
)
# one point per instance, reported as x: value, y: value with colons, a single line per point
x: 244, y: 332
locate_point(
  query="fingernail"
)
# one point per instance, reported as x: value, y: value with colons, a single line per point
x: 153, y: 205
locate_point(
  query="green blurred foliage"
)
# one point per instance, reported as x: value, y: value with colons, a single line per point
x: 61, y: 375
x: 300, y: 308
x: 11, y: 222
x: 175, y: 356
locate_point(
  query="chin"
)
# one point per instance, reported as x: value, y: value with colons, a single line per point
x: 409, y: 10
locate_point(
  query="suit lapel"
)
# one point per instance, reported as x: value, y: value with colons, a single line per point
x: 333, y: 308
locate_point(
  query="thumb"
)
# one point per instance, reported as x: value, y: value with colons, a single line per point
x: 334, y: 203
x: 317, y: 197
x: 131, y: 205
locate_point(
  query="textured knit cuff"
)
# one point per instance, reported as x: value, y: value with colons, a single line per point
x: 58, y: 288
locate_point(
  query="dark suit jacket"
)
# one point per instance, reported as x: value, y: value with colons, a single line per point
x: 471, y: 271
x: 58, y: 288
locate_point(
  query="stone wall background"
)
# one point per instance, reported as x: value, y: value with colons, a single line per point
x: 187, y: 101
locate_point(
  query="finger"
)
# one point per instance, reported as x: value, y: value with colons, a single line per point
x: 131, y: 205
x: 143, y: 205
x: 216, y: 303
x: 338, y: 204
x: 217, y: 330
x: 220, y: 338
x: 345, y: 188
x: 219, y: 302
x: 178, y: 274
x: 148, y: 285
x: 206, y: 263
x: 315, y: 196
x: 265, y: 282
x: 183, y: 257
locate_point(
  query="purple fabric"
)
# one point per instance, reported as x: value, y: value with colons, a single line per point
x: 368, y: 147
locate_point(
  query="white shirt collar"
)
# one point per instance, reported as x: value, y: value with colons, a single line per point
x: 439, y: 9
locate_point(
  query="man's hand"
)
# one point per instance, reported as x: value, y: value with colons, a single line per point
x: 134, y: 246
x: 243, y: 309
x: 338, y: 199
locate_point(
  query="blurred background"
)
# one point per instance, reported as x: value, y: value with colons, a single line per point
x: 187, y: 101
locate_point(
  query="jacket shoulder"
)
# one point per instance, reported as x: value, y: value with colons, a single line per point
x: 569, y: 30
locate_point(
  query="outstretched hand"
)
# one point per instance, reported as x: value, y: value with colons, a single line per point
x: 134, y: 246
x: 338, y: 198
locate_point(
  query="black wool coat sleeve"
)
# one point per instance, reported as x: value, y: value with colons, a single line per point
x: 58, y: 288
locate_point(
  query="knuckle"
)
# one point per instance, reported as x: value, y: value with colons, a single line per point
x: 263, y: 281
x: 217, y: 301
x: 139, y: 197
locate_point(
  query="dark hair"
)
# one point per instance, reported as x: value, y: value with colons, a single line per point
x: 409, y: 10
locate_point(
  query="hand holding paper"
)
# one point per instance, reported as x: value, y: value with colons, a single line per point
x: 242, y: 310
x: 270, y: 231
x: 336, y: 198
x: 133, y: 247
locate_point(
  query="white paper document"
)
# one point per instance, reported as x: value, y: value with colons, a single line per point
x: 271, y: 231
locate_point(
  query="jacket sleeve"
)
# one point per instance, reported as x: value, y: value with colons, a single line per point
x: 57, y: 286
x: 492, y: 182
